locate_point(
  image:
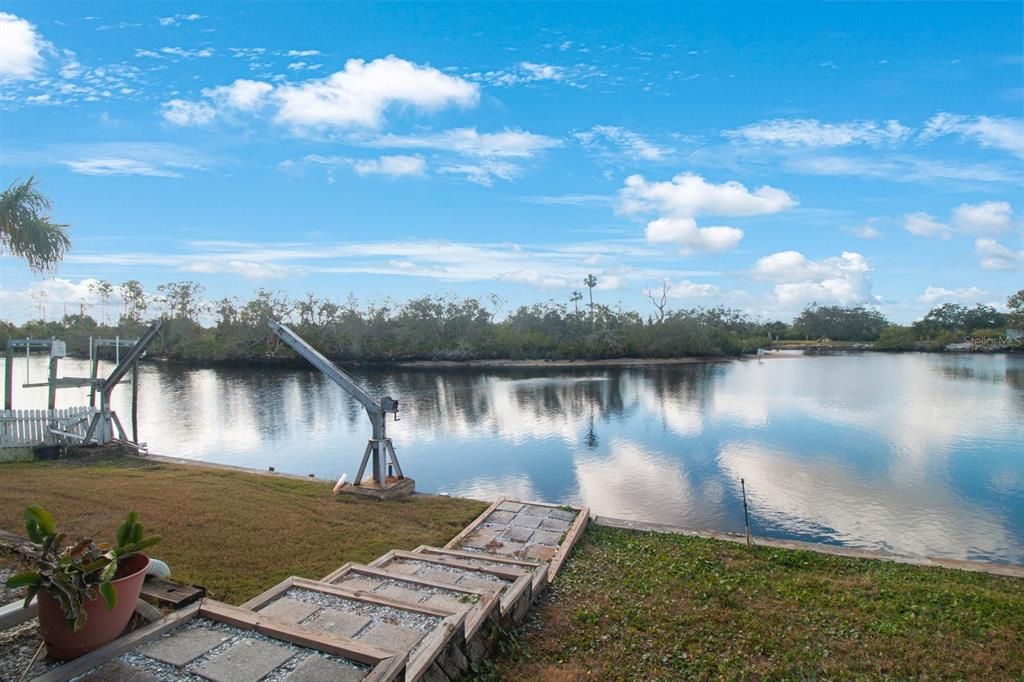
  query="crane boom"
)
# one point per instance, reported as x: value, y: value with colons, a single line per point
x: 379, y: 446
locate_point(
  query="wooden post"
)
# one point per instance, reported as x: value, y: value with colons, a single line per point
x: 135, y: 402
x: 51, y: 397
x: 746, y: 517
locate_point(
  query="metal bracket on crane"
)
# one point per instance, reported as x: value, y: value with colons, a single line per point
x: 379, y: 450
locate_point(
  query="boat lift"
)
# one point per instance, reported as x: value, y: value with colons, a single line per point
x: 379, y: 450
x: 104, y: 420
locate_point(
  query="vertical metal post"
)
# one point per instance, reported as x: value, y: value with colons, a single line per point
x: 135, y: 402
x: 28, y: 379
x: 117, y: 350
x: 93, y: 370
x: 8, y: 379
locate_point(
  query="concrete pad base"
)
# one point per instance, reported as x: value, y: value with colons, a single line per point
x: 393, y: 489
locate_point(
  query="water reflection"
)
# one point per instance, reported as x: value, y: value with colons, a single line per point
x: 916, y: 453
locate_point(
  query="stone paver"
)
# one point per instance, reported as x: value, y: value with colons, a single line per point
x: 554, y: 524
x: 406, y: 595
x: 482, y: 582
x: 357, y: 582
x: 118, y: 671
x: 481, y: 538
x: 500, y: 517
x: 338, y: 622
x: 393, y: 637
x: 244, y: 661
x: 182, y: 646
x: 517, y: 533
x: 546, y: 537
x: 439, y: 576
x: 509, y: 548
x: 535, y: 510
x: 318, y: 668
x: 403, y: 567
x: 289, y: 610
x: 524, y: 520
x: 540, y: 552
x: 510, y: 506
x: 562, y: 515
x: 449, y: 601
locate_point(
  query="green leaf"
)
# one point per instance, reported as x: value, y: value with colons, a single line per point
x: 43, y: 519
x: 109, y: 594
x: 24, y: 579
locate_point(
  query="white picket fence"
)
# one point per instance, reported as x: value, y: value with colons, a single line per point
x: 25, y: 428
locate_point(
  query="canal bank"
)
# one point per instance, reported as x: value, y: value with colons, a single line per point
x: 627, y: 603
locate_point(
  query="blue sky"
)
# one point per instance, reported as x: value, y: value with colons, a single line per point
x: 759, y: 156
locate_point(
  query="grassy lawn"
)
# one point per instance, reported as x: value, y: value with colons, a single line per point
x: 236, y: 533
x: 633, y: 605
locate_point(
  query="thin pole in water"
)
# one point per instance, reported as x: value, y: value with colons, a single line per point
x: 746, y: 516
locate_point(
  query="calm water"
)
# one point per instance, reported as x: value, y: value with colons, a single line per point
x: 915, y: 453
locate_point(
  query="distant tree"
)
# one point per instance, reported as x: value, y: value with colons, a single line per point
x: 575, y: 299
x: 184, y: 300
x: 590, y: 281
x: 103, y: 289
x: 1016, y: 305
x: 135, y: 303
x: 839, y: 323
x: 25, y: 228
x: 659, y: 299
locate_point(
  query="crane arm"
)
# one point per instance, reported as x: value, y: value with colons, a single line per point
x: 134, y: 354
x: 332, y: 371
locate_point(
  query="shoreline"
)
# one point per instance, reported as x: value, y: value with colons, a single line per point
x: 991, y: 568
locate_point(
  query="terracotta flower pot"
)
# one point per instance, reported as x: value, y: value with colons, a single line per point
x: 102, y: 625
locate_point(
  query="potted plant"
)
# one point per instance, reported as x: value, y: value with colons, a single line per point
x: 86, y: 591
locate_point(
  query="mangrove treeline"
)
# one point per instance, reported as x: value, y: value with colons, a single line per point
x: 450, y: 328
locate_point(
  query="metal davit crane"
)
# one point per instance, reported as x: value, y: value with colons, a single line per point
x: 379, y: 449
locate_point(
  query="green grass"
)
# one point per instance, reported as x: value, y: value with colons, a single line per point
x: 633, y: 606
x: 235, y: 533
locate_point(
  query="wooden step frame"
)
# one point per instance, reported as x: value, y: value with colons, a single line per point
x: 385, y: 665
x: 440, y: 651
x: 538, y: 569
x: 515, y: 598
x: 482, y: 622
x: 572, y: 535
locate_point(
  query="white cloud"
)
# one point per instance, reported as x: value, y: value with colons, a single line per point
x: 484, y: 172
x: 509, y: 143
x: 535, y: 279
x: 243, y: 94
x: 575, y: 75
x: 604, y: 139
x: 867, y: 230
x: 21, y: 48
x: 903, y: 168
x: 809, y: 132
x: 690, y: 195
x: 933, y: 295
x: 247, y: 269
x: 988, y: 131
x: 178, y: 18
x: 302, y: 53
x: 925, y: 225
x: 842, y: 280
x: 685, y: 233
x: 995, y: 256
x: 395, y: 166
x: 118, y: 166
x: 687, y: 196
x: 988, y: 218
x: 685, y: 289
x: 187, y: 54
x: 359, y: 95
x: 181, y: 112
